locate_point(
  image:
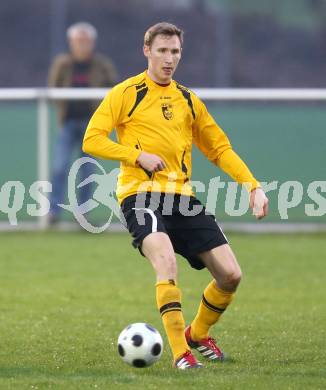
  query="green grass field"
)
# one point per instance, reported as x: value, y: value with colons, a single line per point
x: 66, y: 296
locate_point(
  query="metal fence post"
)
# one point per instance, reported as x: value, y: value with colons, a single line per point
x: 42, y: 147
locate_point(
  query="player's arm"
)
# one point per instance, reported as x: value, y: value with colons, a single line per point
x: 214, y: 143
x: 96, y: 140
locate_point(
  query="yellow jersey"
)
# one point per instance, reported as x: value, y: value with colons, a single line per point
x: 165, y: 121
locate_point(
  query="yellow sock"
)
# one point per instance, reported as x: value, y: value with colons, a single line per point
x: 213, y: 304
x: 168, y: 298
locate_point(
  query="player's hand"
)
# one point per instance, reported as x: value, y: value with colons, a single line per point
x: 150, y: 162
x: 259, y: 203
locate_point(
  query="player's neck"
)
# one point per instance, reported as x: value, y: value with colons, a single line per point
x: 157, y: 81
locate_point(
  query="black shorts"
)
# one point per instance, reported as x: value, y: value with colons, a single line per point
x: 190, y: 227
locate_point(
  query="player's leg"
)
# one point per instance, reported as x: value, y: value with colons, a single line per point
x: 159, y: 251
x: 202, y: 242
x: 146, y: 224
x: 223, y: 265
x: 226, y: 272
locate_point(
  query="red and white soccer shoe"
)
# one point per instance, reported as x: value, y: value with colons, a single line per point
x: 187, y: 360
x: 206, y: 347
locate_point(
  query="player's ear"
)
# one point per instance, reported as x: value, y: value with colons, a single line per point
x: 146, y: 51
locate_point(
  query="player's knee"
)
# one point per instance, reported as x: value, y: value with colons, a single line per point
x: 236, y: 277
x: 232, y: 279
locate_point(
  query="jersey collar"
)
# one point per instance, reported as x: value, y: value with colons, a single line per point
x: 152, y: 84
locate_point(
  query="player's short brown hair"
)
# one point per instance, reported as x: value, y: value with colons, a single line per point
x: 163, y: 28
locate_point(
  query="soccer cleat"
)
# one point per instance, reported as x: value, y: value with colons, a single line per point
x: 206, y: 347
x: 187, y: 360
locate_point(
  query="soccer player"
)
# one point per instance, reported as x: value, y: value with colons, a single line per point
x: 157, y: 121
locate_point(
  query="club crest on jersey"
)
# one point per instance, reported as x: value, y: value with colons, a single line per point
x: 167, y: 111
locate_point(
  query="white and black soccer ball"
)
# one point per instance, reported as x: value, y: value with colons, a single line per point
x: 140, y: 345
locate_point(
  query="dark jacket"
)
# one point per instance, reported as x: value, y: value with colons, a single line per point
x: 102, y: 74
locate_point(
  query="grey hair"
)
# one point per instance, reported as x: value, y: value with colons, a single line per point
x: 82, y: 26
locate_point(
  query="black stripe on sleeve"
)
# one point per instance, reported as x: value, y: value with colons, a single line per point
x: 140, y: 86
x: 148, y: 173
x: 184, y: 168
x: 187, y: 96
x: 141, y: 93
x: 135, y: 85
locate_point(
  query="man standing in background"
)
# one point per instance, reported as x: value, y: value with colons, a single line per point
x: 80, y: 68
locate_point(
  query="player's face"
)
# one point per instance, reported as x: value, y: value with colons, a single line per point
x: 163, y: 57
x: 81, y: 45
